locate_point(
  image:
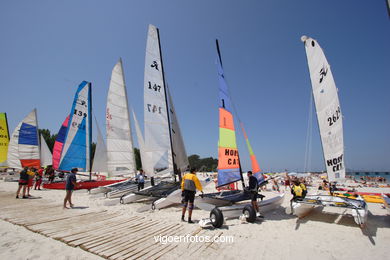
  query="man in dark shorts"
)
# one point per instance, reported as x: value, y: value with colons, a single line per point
x: 190, y: 183
x: 253, y: 190
x: 23, y: 181
x: 70, y: 184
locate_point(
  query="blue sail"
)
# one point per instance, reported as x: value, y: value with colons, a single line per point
x: 76, y: 152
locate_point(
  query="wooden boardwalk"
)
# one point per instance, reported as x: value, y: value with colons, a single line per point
x: 111, y: 235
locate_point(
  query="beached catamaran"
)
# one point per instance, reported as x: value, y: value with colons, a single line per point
x: 4, y: 139
x: 330, y: 124
x: 120, y: 159
x: 163, y: 147
x: 229, y: 168
x: 74, y: 140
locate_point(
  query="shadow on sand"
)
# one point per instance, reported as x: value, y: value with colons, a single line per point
x: 369, y: 229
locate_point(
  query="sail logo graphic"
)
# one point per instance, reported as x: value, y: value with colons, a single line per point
x: 323, y: 73
x: 335, y: 163
x: 109, y: 118
x: 154, y: 65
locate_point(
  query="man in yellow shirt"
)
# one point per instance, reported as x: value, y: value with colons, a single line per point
x: 189, y: 184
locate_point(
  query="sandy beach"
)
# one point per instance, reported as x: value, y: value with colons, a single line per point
x: 40, y: 229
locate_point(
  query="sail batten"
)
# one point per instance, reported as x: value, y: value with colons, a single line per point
x: 328, y: 110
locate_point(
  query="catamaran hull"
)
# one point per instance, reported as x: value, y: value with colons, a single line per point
x: 358, y: 207
x: 80, y: 185
x: 108, y: 188
x: 234, y: 211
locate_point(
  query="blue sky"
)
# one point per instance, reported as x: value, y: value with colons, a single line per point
x: 48, y: 47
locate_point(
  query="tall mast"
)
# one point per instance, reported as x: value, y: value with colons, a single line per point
x: 90, y: 129
x: 166, y: 104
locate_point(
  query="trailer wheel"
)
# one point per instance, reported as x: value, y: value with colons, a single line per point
x: 216, y: 217
x: 250, y: 213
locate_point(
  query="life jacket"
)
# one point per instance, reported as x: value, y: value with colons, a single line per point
x: 298, y: 191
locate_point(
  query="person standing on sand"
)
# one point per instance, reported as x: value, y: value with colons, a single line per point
x: 31, y: 175
x: 23, y: 181
x: 38, y: 179
x: 70, y: 184
x: 140, y: 179
x: 253, y: 190
x: 189, y: 184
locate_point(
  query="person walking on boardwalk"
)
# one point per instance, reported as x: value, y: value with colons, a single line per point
x: 140, y: 179
x: 70, y: 184
x: 189, y: 184
x: 253, y: 189
x: 23, y: 181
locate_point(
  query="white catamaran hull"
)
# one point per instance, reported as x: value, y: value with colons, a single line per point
x: 358, y: 208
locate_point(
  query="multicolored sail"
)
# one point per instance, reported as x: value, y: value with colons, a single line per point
x: 59, y: 143
x: 255, y: 166
x: 4, y: 139
x: 23, y: 149
x: 76, y: 152
x: 228, y: 160
x: 329, y: 116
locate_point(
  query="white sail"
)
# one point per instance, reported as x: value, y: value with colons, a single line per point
x: 120, y: 153
x: 179, y: 150
x: 328, y: 109
x: 100, y: 158
x: 46, y: 156
x: 157, y: 136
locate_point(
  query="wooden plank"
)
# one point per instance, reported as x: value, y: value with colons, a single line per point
x: 118, y: 235
x: 90, y: 236
x: 129, y: 248
x: 157, y: 246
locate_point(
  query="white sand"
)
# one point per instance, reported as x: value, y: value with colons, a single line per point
x: 280, y: 236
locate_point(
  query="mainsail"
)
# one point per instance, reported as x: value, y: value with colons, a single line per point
x: 120, y: 152
x: 157, y: 133
x: 23, y: 148
x: 146, y: 161
x: 59, y: 143
x: 76, y: 151
x: 328, y: 109
x: 46, y: 156
x: 229, y: 169
x: 4, y: 139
